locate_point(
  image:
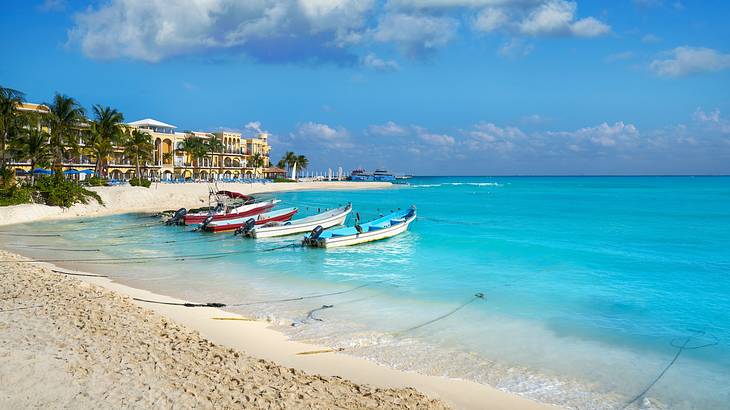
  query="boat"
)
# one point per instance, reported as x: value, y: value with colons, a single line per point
x: 223, y: 200
x: 359, y: 174
x: 384, y: 227
x: 327, y: 219
x: 281, y: 215
x: 381, y: 175
x: 224, y: 212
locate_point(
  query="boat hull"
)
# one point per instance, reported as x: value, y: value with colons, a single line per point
x: 270, y: 232
x: 253, y: 209
x: 228, y: 227
x: 376, y: 235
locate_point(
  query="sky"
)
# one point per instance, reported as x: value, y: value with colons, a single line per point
x: 429, y: 87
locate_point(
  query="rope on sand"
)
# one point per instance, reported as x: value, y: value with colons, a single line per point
x: 78, y: 274
x: 339, y: 349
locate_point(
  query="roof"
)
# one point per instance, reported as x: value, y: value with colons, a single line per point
x: 275, y: 170
x: 26, y: 106
x: 152, y: 123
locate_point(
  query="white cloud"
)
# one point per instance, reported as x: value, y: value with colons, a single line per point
x: 538, y: 18
x: 687, y: 60
x: 515, y: 48
x: 323, y: 134
x: 435, y: 138
x: 374, y: 62
x: 713, y: 120
x: 651, y: 39
x: 589, y: 27
x: 153, y: 30
x: 415, y: 34
x: 308, y: 30
x: 491, y: 19
x: 389, y: 129
x: 604, y: 135
x: 52, y: 5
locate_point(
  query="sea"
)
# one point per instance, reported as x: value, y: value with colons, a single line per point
x: 598, y: 292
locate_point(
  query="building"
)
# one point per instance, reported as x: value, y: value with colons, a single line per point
x: 170, y: 160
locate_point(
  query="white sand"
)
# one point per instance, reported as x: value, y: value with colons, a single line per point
x: 50, y: 357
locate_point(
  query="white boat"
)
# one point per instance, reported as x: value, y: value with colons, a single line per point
x: 381, y: 228
x: 327, y: 219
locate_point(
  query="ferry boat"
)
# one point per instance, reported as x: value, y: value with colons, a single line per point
x: 382, y: 175
x: 359, y: 174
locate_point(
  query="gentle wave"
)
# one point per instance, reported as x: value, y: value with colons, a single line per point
x: 495, y: 184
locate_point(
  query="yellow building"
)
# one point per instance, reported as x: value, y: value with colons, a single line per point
x: 169, y: 159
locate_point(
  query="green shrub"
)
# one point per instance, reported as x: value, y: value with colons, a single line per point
x: 57, y: 191
x: 7, y: 177
x: 15, y: 195
x: 96, y: 181
x: 137, y: 182
x: 280, y: 179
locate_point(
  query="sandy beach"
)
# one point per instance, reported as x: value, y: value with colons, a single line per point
x: 83, y: 342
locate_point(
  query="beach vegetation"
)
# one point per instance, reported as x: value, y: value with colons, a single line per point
x: 58, y: 191
x: 290, y: 158
x: 16, y: 195
x: 282, y: 179
x: 105, y: 132
x: 66, y: 120
x: 140, y: 182
x: 138, y: 147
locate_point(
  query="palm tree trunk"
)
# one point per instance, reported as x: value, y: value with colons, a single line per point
x: 139, y: 175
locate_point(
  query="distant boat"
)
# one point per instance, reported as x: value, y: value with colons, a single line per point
x: 360, y: 174
x: 381, y: 228
x: 381, y: 175
x: 325, y: 219
x: 280, y: 215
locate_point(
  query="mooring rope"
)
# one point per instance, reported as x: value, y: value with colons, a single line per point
x: 200, y: 256
x: 474, y: 298
x: 680, y: 350
x: 78, y: 274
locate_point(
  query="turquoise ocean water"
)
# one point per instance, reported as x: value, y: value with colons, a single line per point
x: 590, y: 282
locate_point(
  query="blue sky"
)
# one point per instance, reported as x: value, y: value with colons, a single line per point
x: 460, y: 87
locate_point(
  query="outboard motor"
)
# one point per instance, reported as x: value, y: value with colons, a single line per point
x: 316, y: 232
x: 246, y: 227
x: 205, y: 223
x: 177, y: 217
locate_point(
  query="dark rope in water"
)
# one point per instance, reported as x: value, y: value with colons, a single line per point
x: 43, y: 235
x: 43, y: 247
x: 680, y: 348
x: 444, y: 316
x: 219, y: 304
x: 200, y: 256
x: 310, y: 314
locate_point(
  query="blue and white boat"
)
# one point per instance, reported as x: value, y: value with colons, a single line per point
x: 384, y: 227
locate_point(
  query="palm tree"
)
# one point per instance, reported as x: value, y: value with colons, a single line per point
x: 288, y: 160
x: 100, y: 148
x: 195, y: 148
x: 257, y: 161
x: 302, y: 162
x: 9, y: 116
x: 138, y: 147
x: 33, y: 146
x: 215, y: 145
x: 66, y: 116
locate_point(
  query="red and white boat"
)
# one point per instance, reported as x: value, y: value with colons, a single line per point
x: 224, y: 212
x: 281, y: 215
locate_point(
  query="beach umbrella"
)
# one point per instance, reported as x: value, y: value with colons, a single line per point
x: 71, y: 172
x: 87, y: 172
x: 42, y: 171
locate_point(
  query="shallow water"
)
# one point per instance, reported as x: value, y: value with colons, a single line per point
x: 588, y: 281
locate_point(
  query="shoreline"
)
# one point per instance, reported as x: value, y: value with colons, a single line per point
x: 159, y: 197
x: 256, y: 339
x: 259, y: 340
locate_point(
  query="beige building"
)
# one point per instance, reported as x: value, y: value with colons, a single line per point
x: 169, y: 159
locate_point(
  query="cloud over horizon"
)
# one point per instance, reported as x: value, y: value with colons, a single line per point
x: 311, y: 30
